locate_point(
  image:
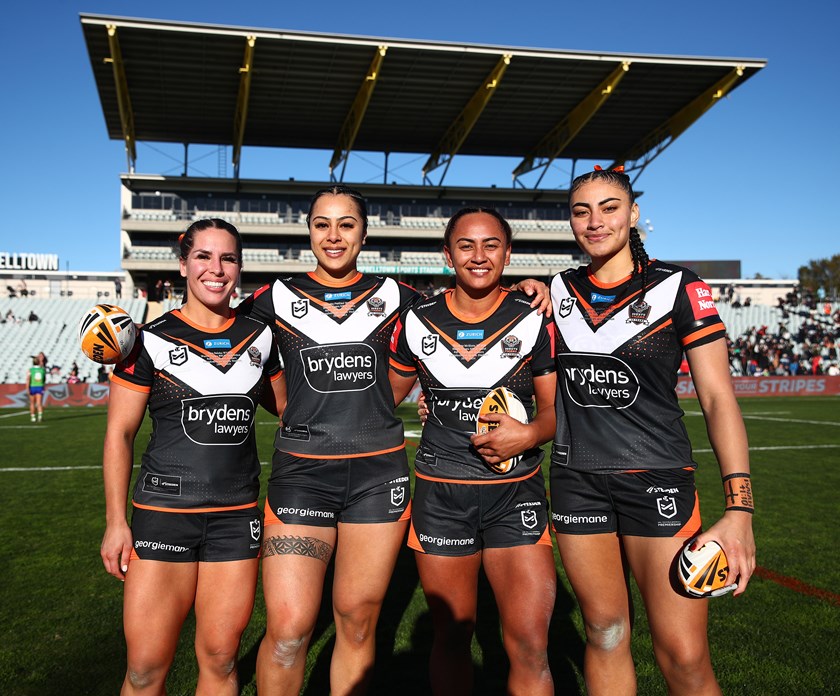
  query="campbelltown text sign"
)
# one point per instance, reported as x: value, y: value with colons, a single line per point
x: 28, y: 262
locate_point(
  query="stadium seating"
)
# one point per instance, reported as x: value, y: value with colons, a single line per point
x: 55, y: 333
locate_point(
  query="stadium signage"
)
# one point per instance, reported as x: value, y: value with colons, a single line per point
x: 28, y: 262
x: 397, y: 269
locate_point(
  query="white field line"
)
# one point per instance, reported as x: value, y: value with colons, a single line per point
x: 68, y: 468
x: 778, y: 420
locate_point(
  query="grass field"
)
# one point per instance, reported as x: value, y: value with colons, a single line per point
x: 60, y: 613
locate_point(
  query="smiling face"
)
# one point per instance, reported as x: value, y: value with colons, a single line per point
x: 478, y: 251
x: 337, y: 233
x: 212, y: 269
x: 602, y: 216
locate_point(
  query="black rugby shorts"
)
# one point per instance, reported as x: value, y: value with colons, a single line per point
x: 324, y: 492
x: 460, y: 519
x: 187, y: 537
x: 656, y: 503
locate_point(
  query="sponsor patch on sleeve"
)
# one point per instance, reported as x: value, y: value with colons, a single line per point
x: 700, y: 298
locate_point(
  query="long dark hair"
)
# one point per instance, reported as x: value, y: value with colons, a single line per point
x: 637, y: 248
x: 341, y: 190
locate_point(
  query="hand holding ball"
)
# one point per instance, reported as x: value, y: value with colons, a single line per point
x: 704, y: 572
x: 501, y: 400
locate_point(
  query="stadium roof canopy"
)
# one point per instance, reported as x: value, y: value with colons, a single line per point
x: 163, y: 81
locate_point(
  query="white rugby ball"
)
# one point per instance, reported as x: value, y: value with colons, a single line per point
x: 501, y: 400
x: 705, y: 571
x: 107, y: 334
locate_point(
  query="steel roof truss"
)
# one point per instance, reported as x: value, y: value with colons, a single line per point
x: 354, y: 118
x: 652, y: 145
x: 555, y: 141
x: 123, y: 98
x: 240, y: 117
x: 460, y: 128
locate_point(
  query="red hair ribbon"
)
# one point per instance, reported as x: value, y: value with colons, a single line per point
x: 619, y: 168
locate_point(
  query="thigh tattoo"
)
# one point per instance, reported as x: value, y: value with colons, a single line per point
x: 297, y: 546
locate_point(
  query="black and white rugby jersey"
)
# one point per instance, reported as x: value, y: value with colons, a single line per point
x: 458, y: 362
x: 617, y: 367
x: 334, y: 342
x: 204, y: 386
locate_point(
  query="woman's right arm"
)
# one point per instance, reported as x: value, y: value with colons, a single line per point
x: 126, y: 408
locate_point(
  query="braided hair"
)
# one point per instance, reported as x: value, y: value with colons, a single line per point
x: 618, y: 178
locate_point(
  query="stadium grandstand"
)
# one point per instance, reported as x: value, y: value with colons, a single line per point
x: 234, y: 87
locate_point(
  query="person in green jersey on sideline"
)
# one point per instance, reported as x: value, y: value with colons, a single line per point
x: 36, y: 378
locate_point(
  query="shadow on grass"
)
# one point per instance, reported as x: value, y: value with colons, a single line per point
x: 405, y: 671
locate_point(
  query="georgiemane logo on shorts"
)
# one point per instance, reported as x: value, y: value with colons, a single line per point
x: 221, y: 419
x: 599, y: 381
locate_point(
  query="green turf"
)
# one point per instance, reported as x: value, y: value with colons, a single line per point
x: 60, y: 613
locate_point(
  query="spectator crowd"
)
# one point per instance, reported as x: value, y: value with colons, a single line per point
x: 810, y: 350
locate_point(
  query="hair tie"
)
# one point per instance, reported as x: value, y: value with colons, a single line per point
x: 181, y: 237
x: 619, y: 169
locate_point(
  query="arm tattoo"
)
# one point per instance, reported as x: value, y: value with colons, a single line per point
x: 298, y: 546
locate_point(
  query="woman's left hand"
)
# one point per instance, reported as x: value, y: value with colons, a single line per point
x: 539, y: 291
x: 734, y: 533
x: 503, y: 442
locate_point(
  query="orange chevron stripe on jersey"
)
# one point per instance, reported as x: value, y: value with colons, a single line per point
x: 223, y: 361
x: 469, y: 354
x: 659, y: 328
x: 344, y: 310
x: 599, y: 317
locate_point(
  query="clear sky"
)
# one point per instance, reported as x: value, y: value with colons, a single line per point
x: 732, y: 187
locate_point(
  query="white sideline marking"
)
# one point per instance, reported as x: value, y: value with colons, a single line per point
x: 12, y: 415
x: 776, y: 447
x: 778, y: 420
x: 68, y: 468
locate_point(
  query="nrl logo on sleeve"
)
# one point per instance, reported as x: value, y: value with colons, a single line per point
x: 255, y: 356
x: 300, y: 308
x: 178, y: 356
x: 638, y: 313
x: 429, y: 344
x: 511, y: 346
x: 566, y: 306
x: 376, y: 307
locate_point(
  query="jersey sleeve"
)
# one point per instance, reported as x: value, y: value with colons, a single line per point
x: 696, y: 318
x: 259, y: 305
x: 274, y: 365
x: 545, y: 350
x: 401, y: 357
x: 137, y: 371
x: 408, y: 296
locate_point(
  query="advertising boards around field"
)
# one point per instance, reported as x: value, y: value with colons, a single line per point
x: 802, y: 385
x: 56, y: 395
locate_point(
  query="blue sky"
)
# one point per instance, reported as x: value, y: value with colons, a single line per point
x: 732, y: 187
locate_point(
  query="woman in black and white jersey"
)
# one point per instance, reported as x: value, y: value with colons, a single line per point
x: 195, y: 532
x: 622, y: 476
x: 472, y: 506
